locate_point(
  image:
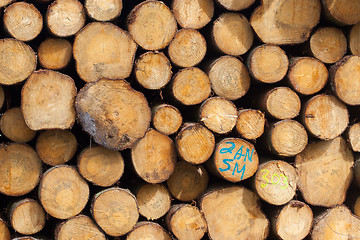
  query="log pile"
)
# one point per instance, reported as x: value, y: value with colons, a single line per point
x: 189, y: 120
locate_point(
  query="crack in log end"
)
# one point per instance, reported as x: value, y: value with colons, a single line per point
x: 88, y: 123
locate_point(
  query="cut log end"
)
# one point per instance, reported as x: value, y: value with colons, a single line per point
x: 152, y: 25
x: 186, y: 222
x: 334, y: 223
x: 154, y: 157
x: 23, y: 21
x: 27, y: 216
x: 21, y: 169
x: 268, y: 63
x: 56, y: 147
x: 103, y: 50
x: 195, y: 143
x: 282, y: 103
x: 307, y: 75
x: 237, y: 41
x: 294, y: 221
x: 191, y: 86
x: 235, y: 159
x: 103, y: 10
x: 167, y: 119
x: 353, y: 136
x: 234, y: 5
x: 328, y: 44
x: 78, y: 227
x: 13, y: 126
x: 115, y: 124
x: 63, y: 192
x: 148, y: 230
x: 354, y: 39
x: 193, y: 14
x: 111, y: 205
x: 101, y: 166
x: 54, y: 53
x: 188, y: 181
x: 218, y: 114
x: 275, y: 182
x: 48, y: 104
x: 221, y: 207
x: 188, y: 48
x: 325, y: 172
x: 250, y: 123
x: 287, y: 138
x: 325, y: 116
x: 285, y: 22
x: 154, y: 200
x: 65, y: 17
x: 18, y: 61
x: 342, y: 75
x: 4, y: 231
x: 344, y: 12
x: 153, y: 70
x: 229, y: 77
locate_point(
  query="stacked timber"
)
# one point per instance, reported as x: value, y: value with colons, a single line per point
x: 188, y: 120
